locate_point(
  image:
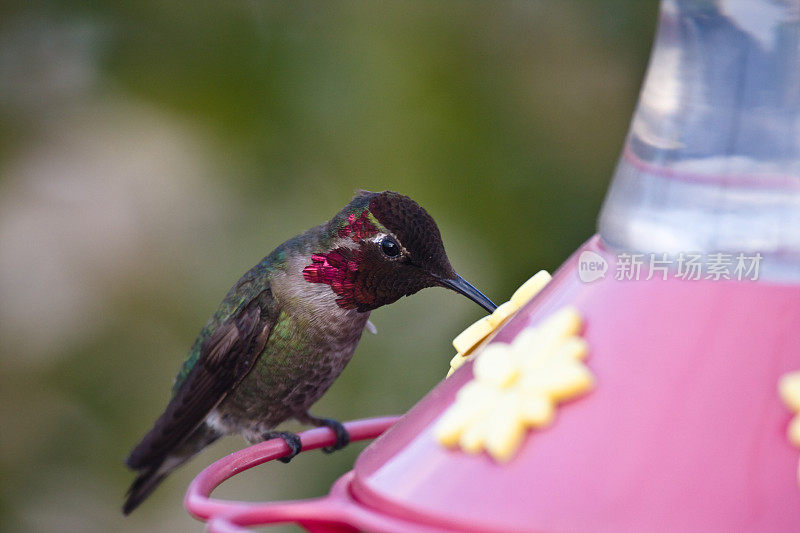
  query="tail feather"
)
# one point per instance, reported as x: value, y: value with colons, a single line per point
x: 153, y: 470
x: 142, y: 486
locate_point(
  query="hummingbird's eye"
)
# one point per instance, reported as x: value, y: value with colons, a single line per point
x: 389, y: 247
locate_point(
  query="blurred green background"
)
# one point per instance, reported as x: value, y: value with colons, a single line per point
x: 151, y: 152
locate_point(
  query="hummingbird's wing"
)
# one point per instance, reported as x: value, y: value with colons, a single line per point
x: 225, y: 359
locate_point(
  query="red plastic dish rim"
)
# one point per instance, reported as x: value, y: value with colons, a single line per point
x: 226, y: 516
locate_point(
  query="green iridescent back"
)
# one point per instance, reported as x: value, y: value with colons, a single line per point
x: 256, y: 280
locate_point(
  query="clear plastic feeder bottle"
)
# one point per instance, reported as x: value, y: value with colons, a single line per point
x: 712, y: 159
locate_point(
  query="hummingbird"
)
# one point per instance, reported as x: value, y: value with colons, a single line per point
x: 288, y: 327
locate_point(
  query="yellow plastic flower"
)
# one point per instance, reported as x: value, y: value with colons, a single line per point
x: 789, y: 390
x: 517, y: 386
x: 466, y: 342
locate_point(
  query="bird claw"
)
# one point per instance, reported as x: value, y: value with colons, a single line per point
x: 342, y: 436
x: 292, y: 441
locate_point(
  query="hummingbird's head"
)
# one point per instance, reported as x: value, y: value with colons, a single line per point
x: 384, y: 246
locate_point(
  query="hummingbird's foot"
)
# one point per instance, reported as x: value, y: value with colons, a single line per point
x: 292, y: 441
x: 342, y: 436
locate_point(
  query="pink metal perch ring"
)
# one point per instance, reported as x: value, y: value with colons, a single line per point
x: 232, y: 516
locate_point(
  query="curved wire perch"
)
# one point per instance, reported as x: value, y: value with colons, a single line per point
x: 225, y: 516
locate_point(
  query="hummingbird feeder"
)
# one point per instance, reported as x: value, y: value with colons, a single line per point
x: 651, y: 384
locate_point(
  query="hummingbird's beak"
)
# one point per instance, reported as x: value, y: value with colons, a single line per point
x: 462, y: 286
